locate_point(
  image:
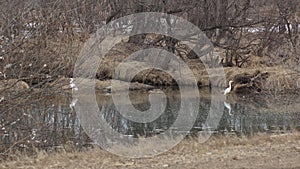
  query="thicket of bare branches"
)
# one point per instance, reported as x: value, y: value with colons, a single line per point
x: 40, y: 40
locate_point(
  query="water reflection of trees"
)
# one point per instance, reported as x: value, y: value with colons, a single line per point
x: 246, y: 118
x: 127, y: 127
x: 247, y: 121
x: 50, y: 124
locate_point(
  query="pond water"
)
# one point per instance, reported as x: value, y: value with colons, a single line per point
x: 52, y: 123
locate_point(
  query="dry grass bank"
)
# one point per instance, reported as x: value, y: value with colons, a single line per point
x: 260, y: 151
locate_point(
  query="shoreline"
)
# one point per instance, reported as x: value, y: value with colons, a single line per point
x: 260, y: 150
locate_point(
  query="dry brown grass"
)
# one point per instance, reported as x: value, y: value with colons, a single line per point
x: 259, y: 151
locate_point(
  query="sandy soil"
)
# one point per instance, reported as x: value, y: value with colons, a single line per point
x: 260, y: 151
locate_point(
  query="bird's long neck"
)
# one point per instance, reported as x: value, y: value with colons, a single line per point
x: 230, y: 86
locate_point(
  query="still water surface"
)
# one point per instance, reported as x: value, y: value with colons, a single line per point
x: 51, y: 123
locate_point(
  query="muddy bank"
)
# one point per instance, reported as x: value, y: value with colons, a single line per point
x: 264, y: 80
x: 105, y: 86
x: 245, y: 81
x: 255, y: 78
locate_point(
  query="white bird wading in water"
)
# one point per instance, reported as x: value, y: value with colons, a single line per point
x: 227, y: 90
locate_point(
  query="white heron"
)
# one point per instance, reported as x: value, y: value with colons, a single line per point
x: 227, y: 90
x: 72, y: 85
x: 108, y: 90
x: 108, y: 87
x: 1, y: 99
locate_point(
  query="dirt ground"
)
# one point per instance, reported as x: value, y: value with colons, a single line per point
x: 260, y: 151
